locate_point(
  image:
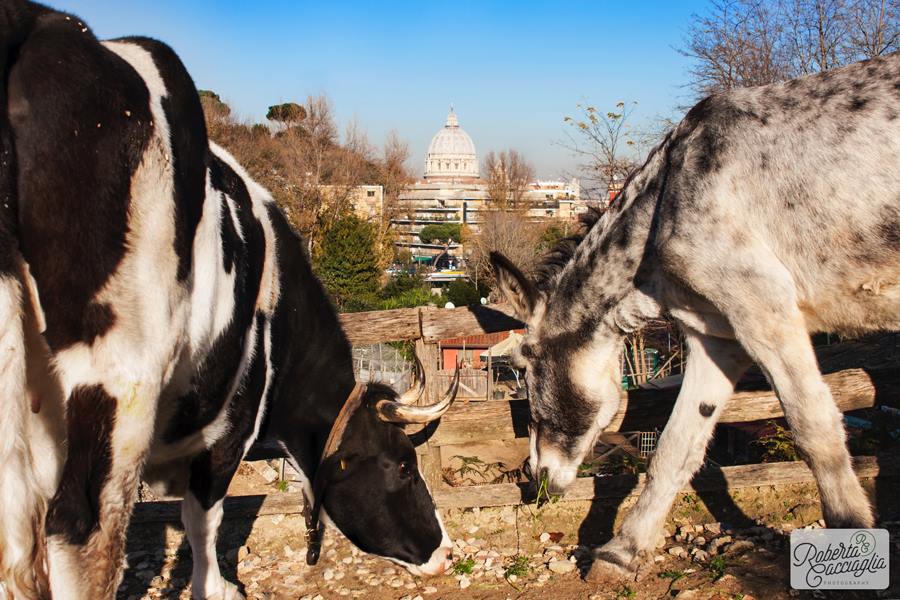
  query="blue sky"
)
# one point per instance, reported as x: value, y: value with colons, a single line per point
x: 513, y: 70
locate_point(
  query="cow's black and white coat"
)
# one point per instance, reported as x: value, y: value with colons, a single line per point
x: 766, y: 214
x: 168, y: 318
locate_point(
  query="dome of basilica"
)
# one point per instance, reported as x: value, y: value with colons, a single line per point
x: 451, y: 153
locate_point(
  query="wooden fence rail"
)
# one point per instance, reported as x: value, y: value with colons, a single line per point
x: 426, y: 323
x: 508, y: 494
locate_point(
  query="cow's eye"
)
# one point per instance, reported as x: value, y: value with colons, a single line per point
x: 405, y: 469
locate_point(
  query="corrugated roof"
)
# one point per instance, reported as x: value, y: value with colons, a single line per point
x: 485, y: 340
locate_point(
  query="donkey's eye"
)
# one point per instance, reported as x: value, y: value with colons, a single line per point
x: 526, y: 350
x: 405, y: 469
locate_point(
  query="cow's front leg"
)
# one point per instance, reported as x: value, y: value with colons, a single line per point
x: 201, y: 514
x: 108, y: 426
x: 713, y: 368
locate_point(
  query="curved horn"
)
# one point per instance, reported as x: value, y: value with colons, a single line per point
x: 417, y: 388
x: 394, y: 411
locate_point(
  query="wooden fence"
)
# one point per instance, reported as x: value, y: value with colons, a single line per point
x: 859, y: 374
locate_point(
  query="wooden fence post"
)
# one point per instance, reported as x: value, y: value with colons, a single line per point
x: 430, y: 453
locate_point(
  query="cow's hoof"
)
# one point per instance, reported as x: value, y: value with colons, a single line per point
x: 607, y: 572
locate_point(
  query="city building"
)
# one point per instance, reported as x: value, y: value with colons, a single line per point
x: 367, y: 200
x: 452, y: 192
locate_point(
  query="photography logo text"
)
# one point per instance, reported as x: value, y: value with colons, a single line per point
x: 839, y: 559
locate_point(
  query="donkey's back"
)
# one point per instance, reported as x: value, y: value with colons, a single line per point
x: 803, y: 175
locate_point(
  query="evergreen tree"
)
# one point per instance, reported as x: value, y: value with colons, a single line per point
x: 439, y: 234
x: 347, y: 264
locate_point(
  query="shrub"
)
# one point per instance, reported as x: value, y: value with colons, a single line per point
x: 463, y: 293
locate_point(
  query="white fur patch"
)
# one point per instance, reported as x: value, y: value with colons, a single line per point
x: 201, y: 527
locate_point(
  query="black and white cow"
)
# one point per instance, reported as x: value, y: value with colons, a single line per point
x: 158, y: 314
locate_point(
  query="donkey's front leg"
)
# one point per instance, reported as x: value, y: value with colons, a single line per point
x: 201, y: 514
x: 714, y: 366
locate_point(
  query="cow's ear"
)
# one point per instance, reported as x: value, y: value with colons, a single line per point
x: 515, y: 287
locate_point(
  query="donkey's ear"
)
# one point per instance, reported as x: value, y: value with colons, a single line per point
x: 515, y: 287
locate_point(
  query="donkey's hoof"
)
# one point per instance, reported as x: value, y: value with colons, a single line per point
x: 607, y: 571
x: 644, y: 568
x: 232, y: 592
x: 228, y: 591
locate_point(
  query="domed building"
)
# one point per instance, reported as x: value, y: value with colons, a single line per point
x: 453, y: 192
x: 451, y: 154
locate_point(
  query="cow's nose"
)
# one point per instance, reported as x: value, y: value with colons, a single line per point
x: 441, y: 560
x: 447, y: 562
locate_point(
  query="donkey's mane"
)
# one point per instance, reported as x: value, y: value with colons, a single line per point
x: 552, y: 263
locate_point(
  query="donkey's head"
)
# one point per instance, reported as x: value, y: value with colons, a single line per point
x: 572, y: 371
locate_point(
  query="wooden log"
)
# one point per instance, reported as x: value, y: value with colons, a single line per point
x: 482, y: 421
x: 646, y: 409
x: 505, y: 494
x: 509, y: 453
x: 431, y: 324
x: 642, y: 410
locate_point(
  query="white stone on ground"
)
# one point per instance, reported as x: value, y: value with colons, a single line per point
x: 561, y: 566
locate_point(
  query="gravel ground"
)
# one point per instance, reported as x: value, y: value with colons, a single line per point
x: 739, y: 553
x: 501, y: 553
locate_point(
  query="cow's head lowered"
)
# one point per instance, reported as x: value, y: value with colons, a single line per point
x: 369, y: 482
x: 572, y: 371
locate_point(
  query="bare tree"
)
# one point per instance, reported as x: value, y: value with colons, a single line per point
x: 394, y: 175
x: 605, y: 144
x: 816, y: 37
x: 736, y: 44
x: 508, y: 175
x: 309, y: 171
x: 741, y: 43
x: 345, y: 167
x: 873, y: 28
x: 509, y: 232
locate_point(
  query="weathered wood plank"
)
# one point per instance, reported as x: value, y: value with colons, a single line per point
x: 364, y: 328
x: 618, y: 486
x: 505, y: 494
x: 236, y: 507
x: 441, y: 323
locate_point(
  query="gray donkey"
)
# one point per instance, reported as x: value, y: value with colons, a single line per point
x: 766, y: 214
